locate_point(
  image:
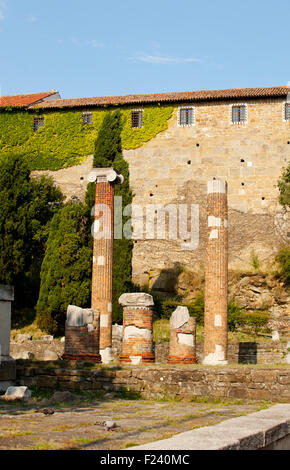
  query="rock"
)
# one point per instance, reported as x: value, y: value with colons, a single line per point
x: 179, y: 317
x: 18, y: 392
x: 77, y: 316
x: 117, y: 331
x: 50, y: 356
x: 27, y: 355
x: 24, y: 337
x: 109, y: 396
x: 61, y: 397
x: 46, y: 338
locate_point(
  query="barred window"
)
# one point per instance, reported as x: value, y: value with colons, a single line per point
x: 186, y: 116
x: 287, y: 111
x: 37, y: 123
x: 137, y: 118
x: 239, y: 113
x: 87, y: 117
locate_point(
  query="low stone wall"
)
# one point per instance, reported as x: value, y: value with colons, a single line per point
x: 238, y: 353
x: 244, y: 382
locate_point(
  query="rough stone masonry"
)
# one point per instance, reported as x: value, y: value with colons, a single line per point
x: 102, y: 277
x: 216, y: 275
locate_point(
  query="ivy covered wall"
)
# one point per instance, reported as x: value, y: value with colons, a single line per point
x: 64, y: 141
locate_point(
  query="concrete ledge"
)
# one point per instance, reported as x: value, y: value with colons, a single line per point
x: 256, y: 431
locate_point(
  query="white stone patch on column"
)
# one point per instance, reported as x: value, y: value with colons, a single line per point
x: 134, y: 332
x: 109, y: 307
x: 136, y: 360
x: 94, y: 259
x: 275, y: 336
x: 216, y: 358
x: 218, y: 320
x: 216, y: 186
x: 104, y: 320
x: 106, y: 355
x: 186, y: 339
x: 225, y: 223
x: 101, y: 260
x: 214, y: 234
x: 214, y: 221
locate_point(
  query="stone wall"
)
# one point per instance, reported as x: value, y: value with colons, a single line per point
x: 244, y: 382
x: 173, y: 168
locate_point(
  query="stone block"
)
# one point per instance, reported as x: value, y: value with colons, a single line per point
x: 18, y: 392
x: 136, y: 299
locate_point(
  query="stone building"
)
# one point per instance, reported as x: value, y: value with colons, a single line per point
x: 240, y: 135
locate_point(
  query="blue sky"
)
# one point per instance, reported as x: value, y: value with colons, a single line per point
x: 98, y: 48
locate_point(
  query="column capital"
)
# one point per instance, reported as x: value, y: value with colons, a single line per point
x: 138, y: 299
x: 105, y: 175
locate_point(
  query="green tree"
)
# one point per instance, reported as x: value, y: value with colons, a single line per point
x: 67, y: 267
x: 284, y: 186
x: 26, y: 209
x: 108, y: 153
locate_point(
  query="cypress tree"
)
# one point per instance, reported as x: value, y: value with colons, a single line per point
x: 66, y: 269
x: 26, y: 209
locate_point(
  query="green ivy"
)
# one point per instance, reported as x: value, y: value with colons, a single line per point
x: 64, y: 141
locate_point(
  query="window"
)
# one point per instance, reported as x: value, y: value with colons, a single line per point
x: 136, y: 118
x: 239, y: 113
x: 37, y: 123
x: 87, y: 118
x: 287, y: 112
x: 186, y: 116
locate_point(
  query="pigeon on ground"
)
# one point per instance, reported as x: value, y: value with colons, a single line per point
x: 109, y: 425
x: 45, y: 411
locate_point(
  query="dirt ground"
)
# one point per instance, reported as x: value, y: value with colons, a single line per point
x: 73, y: 425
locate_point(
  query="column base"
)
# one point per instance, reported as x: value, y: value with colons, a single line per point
x: 135, y: 360
x: 82, y: 357
x: 214, y: 362
x: 106, y: 355
x: 182, y: 360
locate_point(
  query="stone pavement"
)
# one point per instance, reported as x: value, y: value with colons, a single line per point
x: 72, y: 426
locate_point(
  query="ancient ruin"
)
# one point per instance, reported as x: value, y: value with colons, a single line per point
x: 102, y: 278
x: 7, y: 363
x: 82, y: 331
x: 137, y: 344
x: 182, y: 337
x: 216, y: 275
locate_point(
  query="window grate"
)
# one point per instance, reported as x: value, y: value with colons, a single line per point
x: 137, y: 118
x: 287, y: 111
x: 37, y: 123
x: 186, y: 117
x: 239, y: 114
x: 87, y: 118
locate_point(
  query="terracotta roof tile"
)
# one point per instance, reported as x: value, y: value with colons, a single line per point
x: 238, y: 93
x: 24, y: 100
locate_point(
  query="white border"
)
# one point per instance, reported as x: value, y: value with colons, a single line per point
x: 231, y: 114
x: 193, y: 116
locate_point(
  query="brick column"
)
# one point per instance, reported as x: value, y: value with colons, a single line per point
x: 82, y: 330
x: 137, y: 344
x: 102, y: 277
x: 182, y: 348
x: 216, y: 275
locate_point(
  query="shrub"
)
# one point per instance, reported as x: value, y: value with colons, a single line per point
x: 284, y: 187
x: 283, y: 260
